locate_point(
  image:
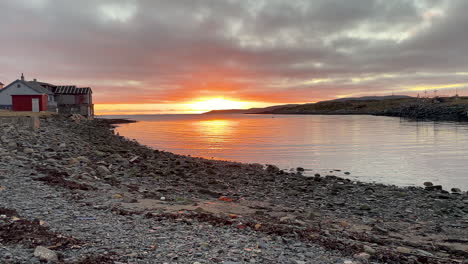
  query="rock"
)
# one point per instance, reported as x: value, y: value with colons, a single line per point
x: 428, y: 184
x: 45, y: 254
x: 347, y: 173
x: 287, y: 218
x: 28, y: 150
x: 103, y: 170
x: 380, y: 229
x: 12, y: 144
x: 300, y: 169
x: 362, y: 256
x: 369, y: 249
x: 455, y: 190
x: 364, y: 207
x: 272, y: 169
x: 424, y: 253
x: 73, y: 161
x: 403, y: 250
x: 83, y: 159
x: 434, y: 188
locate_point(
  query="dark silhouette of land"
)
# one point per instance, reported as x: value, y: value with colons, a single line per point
x: 438, y: 108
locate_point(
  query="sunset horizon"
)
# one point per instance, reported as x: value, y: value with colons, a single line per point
x: 159, y: 56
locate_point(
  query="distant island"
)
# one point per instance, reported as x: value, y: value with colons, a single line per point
x: 439, y: 108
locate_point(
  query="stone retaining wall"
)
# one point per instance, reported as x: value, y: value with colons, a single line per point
x: 22, y: 121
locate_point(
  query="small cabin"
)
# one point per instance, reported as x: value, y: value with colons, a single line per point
x: 21, y: 95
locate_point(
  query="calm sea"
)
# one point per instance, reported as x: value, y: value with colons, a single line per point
x: 373, y: 149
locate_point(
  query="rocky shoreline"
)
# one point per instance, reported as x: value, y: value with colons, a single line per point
x: 73, y: 192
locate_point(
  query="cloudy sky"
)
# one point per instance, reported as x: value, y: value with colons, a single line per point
x: 163, y: 54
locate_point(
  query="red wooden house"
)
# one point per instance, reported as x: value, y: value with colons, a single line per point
x: 30, y: 103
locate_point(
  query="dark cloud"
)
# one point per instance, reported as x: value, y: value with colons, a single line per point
x: 157, y: 51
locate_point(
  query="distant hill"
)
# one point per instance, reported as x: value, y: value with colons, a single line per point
x: 369, y: 98
x: 346, y: 106
x: 249, y: 111
x: 440, y: 108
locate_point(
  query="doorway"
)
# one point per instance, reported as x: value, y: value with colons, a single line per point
x: 35, y: 105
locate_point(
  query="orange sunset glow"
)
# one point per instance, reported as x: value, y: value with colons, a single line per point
x: 151, y: 57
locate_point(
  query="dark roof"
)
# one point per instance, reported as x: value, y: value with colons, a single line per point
x: 71, y: 89
x: 36, y: 87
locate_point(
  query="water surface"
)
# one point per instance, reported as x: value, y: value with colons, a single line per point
x: 373, y: 149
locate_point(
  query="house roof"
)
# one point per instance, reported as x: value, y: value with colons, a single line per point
x: 36, y: 87
x: 72, y: 89
x: 31, y: 85
x: 50, y: 89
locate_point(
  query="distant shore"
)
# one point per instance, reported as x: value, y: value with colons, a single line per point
x: 427, y: 109
x: 92, y: 191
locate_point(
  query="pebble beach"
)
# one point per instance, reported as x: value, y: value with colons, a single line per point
x: 72, y: 191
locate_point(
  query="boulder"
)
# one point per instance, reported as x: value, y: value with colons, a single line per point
x: 428, y: 184
x: 45, y: 254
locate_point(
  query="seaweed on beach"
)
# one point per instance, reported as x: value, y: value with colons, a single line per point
x: 32, y: 234
x: 349, y: 246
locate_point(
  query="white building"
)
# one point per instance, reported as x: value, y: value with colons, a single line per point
x: 22, y: 87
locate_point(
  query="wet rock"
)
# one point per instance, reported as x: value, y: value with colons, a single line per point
x: 45, y: 254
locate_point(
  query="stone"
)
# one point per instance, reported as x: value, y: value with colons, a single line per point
x: 347, y: 173
x: 45, y: 254
x: 73, y: 161
x: 362, y: 256
x: 424, y: 253
x: 287, y: 218
x: 364, y: 207
x: 103, y: 170
x: 455, y: 190
x: 434, y: 188
x: 300, y: 169
x: 83, y: 159
x: 403, y: 250
x: 428, y: 184
x: 369, y: 249
x: 28, y: 150
x: 272, y: 169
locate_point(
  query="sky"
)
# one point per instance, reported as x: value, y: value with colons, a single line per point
x: 155, y: 56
